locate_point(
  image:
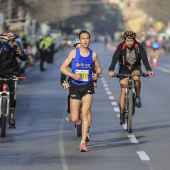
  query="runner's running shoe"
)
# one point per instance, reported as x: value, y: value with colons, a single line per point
x: 83, y: 147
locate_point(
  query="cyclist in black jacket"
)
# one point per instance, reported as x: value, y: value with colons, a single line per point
x: 9, y: 67
x: 129, y: 54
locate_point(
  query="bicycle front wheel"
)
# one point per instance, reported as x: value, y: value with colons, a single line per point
x: 3, y: 116
x: 130, y: 106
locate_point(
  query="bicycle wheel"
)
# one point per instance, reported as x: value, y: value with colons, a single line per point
x: 130, y: 106
x: 3, y: 117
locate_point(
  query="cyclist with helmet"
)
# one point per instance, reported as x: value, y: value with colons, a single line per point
x: 129, y: 53
x: 9, y: 53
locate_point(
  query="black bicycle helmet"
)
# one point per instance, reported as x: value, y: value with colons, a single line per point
x: 129, y: 34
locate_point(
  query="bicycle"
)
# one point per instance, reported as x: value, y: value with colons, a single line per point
x: 5, y: 102
x: 130, y: 97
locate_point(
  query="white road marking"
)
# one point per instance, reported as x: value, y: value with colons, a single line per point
x: 143, y: 156
x: 114, y: 103
x: 111, y: 97
x: 116, y: 109
x: 106, y: 88
x: 61, y: 146
x: 124, y: 126
x: 105, y: 85
x: 109, y: 92
x: 132, y: 138
x: 163, y: 69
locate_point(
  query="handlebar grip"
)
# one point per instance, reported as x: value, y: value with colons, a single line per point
x: 21, y: 78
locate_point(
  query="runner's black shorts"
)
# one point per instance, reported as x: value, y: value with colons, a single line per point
x: 78, y: 91
x: 126, y: 70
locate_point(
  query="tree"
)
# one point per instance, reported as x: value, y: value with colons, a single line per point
x: 156, y: 9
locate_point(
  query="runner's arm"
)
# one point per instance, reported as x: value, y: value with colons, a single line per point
x: 97, y: 64
x: 64, y: 67
x: 66, y: 63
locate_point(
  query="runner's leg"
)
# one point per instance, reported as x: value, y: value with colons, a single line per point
x: 86, y: 105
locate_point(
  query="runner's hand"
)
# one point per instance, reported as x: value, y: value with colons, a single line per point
x: 94, y: 76
x: 65, y: 85
x: 76, y: 76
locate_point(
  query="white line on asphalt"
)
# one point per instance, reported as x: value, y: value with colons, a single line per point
x: 111, y: 97
x: 132, y: 138
x: 61, y: 145
x: 109, y: 92
x: 116, y: 109
x: 163, y: 69
x: 143, y: 155
x: 125, y: 126
x: 106, y: 88
x: 114, y: 103
x: 105, y: 85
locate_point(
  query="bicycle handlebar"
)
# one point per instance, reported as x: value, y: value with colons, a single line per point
x: 131, y: 75
x: 14, y: 78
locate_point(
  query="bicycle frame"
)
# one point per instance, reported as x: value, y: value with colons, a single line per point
x: 5, y: 94
x: 129, y: 99
x: 5, y: 102
x: 129, y: 88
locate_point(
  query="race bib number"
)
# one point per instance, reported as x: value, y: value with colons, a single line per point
x: 84, y: 74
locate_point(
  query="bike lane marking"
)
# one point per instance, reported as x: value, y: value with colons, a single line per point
x: 143, y: 156
x: 132, y: 138
x: 61, y: 145
x: 163, y: 69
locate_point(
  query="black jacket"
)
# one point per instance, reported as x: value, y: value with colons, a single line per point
x: 120, y: 54
x: 8, y: 61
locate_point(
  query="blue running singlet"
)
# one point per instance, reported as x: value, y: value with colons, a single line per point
x: 82, y: 65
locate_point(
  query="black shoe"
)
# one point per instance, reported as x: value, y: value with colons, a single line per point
x: 122, y: 119
x: 138, y: 102
x: 12, y: 123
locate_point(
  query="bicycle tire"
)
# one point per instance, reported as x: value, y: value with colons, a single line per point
x: 130, y: 107
x: 3, y: 117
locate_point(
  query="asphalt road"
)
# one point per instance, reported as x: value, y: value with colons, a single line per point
x: 44, y: 140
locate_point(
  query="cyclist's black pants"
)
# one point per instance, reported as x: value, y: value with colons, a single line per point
x: 12, y: 89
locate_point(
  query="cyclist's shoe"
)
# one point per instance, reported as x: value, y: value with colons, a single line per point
x: 68, y: 118
x: 122, y: 119
x: 87, y: 138
x: 12, y: 123
x: 78, y: 122
x: 83, y: 147
x: 138, y: 102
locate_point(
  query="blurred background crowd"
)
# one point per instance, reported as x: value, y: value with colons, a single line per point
x: 44, y: 27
